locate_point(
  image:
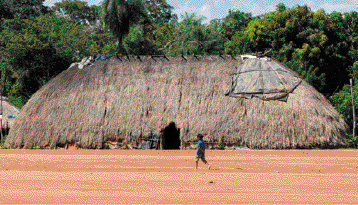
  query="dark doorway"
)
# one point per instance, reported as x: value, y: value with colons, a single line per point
x: 171, y: 137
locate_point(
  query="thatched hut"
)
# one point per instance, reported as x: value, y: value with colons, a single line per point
x: 8, y: 114
x: 126, y: 99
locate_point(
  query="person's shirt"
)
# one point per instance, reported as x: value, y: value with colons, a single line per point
x: 202, y: 146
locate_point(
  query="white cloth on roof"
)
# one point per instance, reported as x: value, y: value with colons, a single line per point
x: 263, y: 78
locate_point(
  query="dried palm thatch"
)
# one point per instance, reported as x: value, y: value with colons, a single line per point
x: 9, y: 112
x: 125, y: 99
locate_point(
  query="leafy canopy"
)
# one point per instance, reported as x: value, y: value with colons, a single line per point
x: 120, y: 15
x: 77, y: 10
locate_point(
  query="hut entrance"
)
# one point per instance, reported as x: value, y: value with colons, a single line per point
x: 171, y: 137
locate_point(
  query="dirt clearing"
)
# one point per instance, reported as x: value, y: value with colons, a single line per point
x: 135, y: 177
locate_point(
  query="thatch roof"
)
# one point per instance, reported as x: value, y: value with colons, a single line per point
x: 9, y: 113
x: 121, y: 99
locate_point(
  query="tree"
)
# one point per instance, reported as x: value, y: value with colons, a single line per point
x: 5, y: 10
x: 141, y: 38
x: 166, y: 37
x: 189, y: 36
x: 77, y: 10
x: 215, y: 38
x: 314, y: 44
x: 234, y: 22
x: 27, y: 8
x: 158, y: 11
x: 137, y: 43
x: 35, y: 50
x: 342, y: 101
x: 120, y: 15
x: 89, y: 17
x: 239, y: 44
x: 281, y: 7
x: 233, y: 26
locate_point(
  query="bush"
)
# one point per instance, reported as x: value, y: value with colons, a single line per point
x: 352, y: 141
x: 220, y: 146
x: 2, y: 142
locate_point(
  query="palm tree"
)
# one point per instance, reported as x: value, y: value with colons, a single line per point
x: 120, y: 15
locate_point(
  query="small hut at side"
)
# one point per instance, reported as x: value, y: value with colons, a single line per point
x: 126, y: 99
x: 8, y: 113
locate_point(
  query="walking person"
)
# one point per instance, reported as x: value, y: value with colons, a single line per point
x: 200, y: 152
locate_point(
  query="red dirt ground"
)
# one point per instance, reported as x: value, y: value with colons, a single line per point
x: 133, y: 177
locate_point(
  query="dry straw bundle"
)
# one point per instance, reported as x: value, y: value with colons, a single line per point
x: 125, y: 99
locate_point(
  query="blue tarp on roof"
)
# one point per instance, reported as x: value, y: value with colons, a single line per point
x: 102, y: 57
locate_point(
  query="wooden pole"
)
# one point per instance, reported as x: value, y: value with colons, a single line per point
x: 354, y: 111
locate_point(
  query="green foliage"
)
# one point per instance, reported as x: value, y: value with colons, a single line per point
x: 157, y: 12
x: 352, y: 141
x: 2, y: 141
x: 136, y: 43
x: 148, y: 16
x: 165, y: 36
x: 311, y: 43
x: 233, y: 27
x: 120, y: 15
x: 353, y: 70
x: 103, y: 42
x: 216, y: 39
x: 78, y: 11
x: 239, y: 44
x: 186, y: 36
x: 235, y: 22
x: 281, y: 7
x: 300, y: 63
x: 220, y: 146
x: 26, y: 8
x: 343, y: 102
x: 190, y: 36
x: 5, y: 10
x: 37, y: 49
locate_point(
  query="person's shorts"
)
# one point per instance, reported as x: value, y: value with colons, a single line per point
x: 202, y: 157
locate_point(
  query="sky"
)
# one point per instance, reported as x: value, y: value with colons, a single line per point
x: 216, y: 9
